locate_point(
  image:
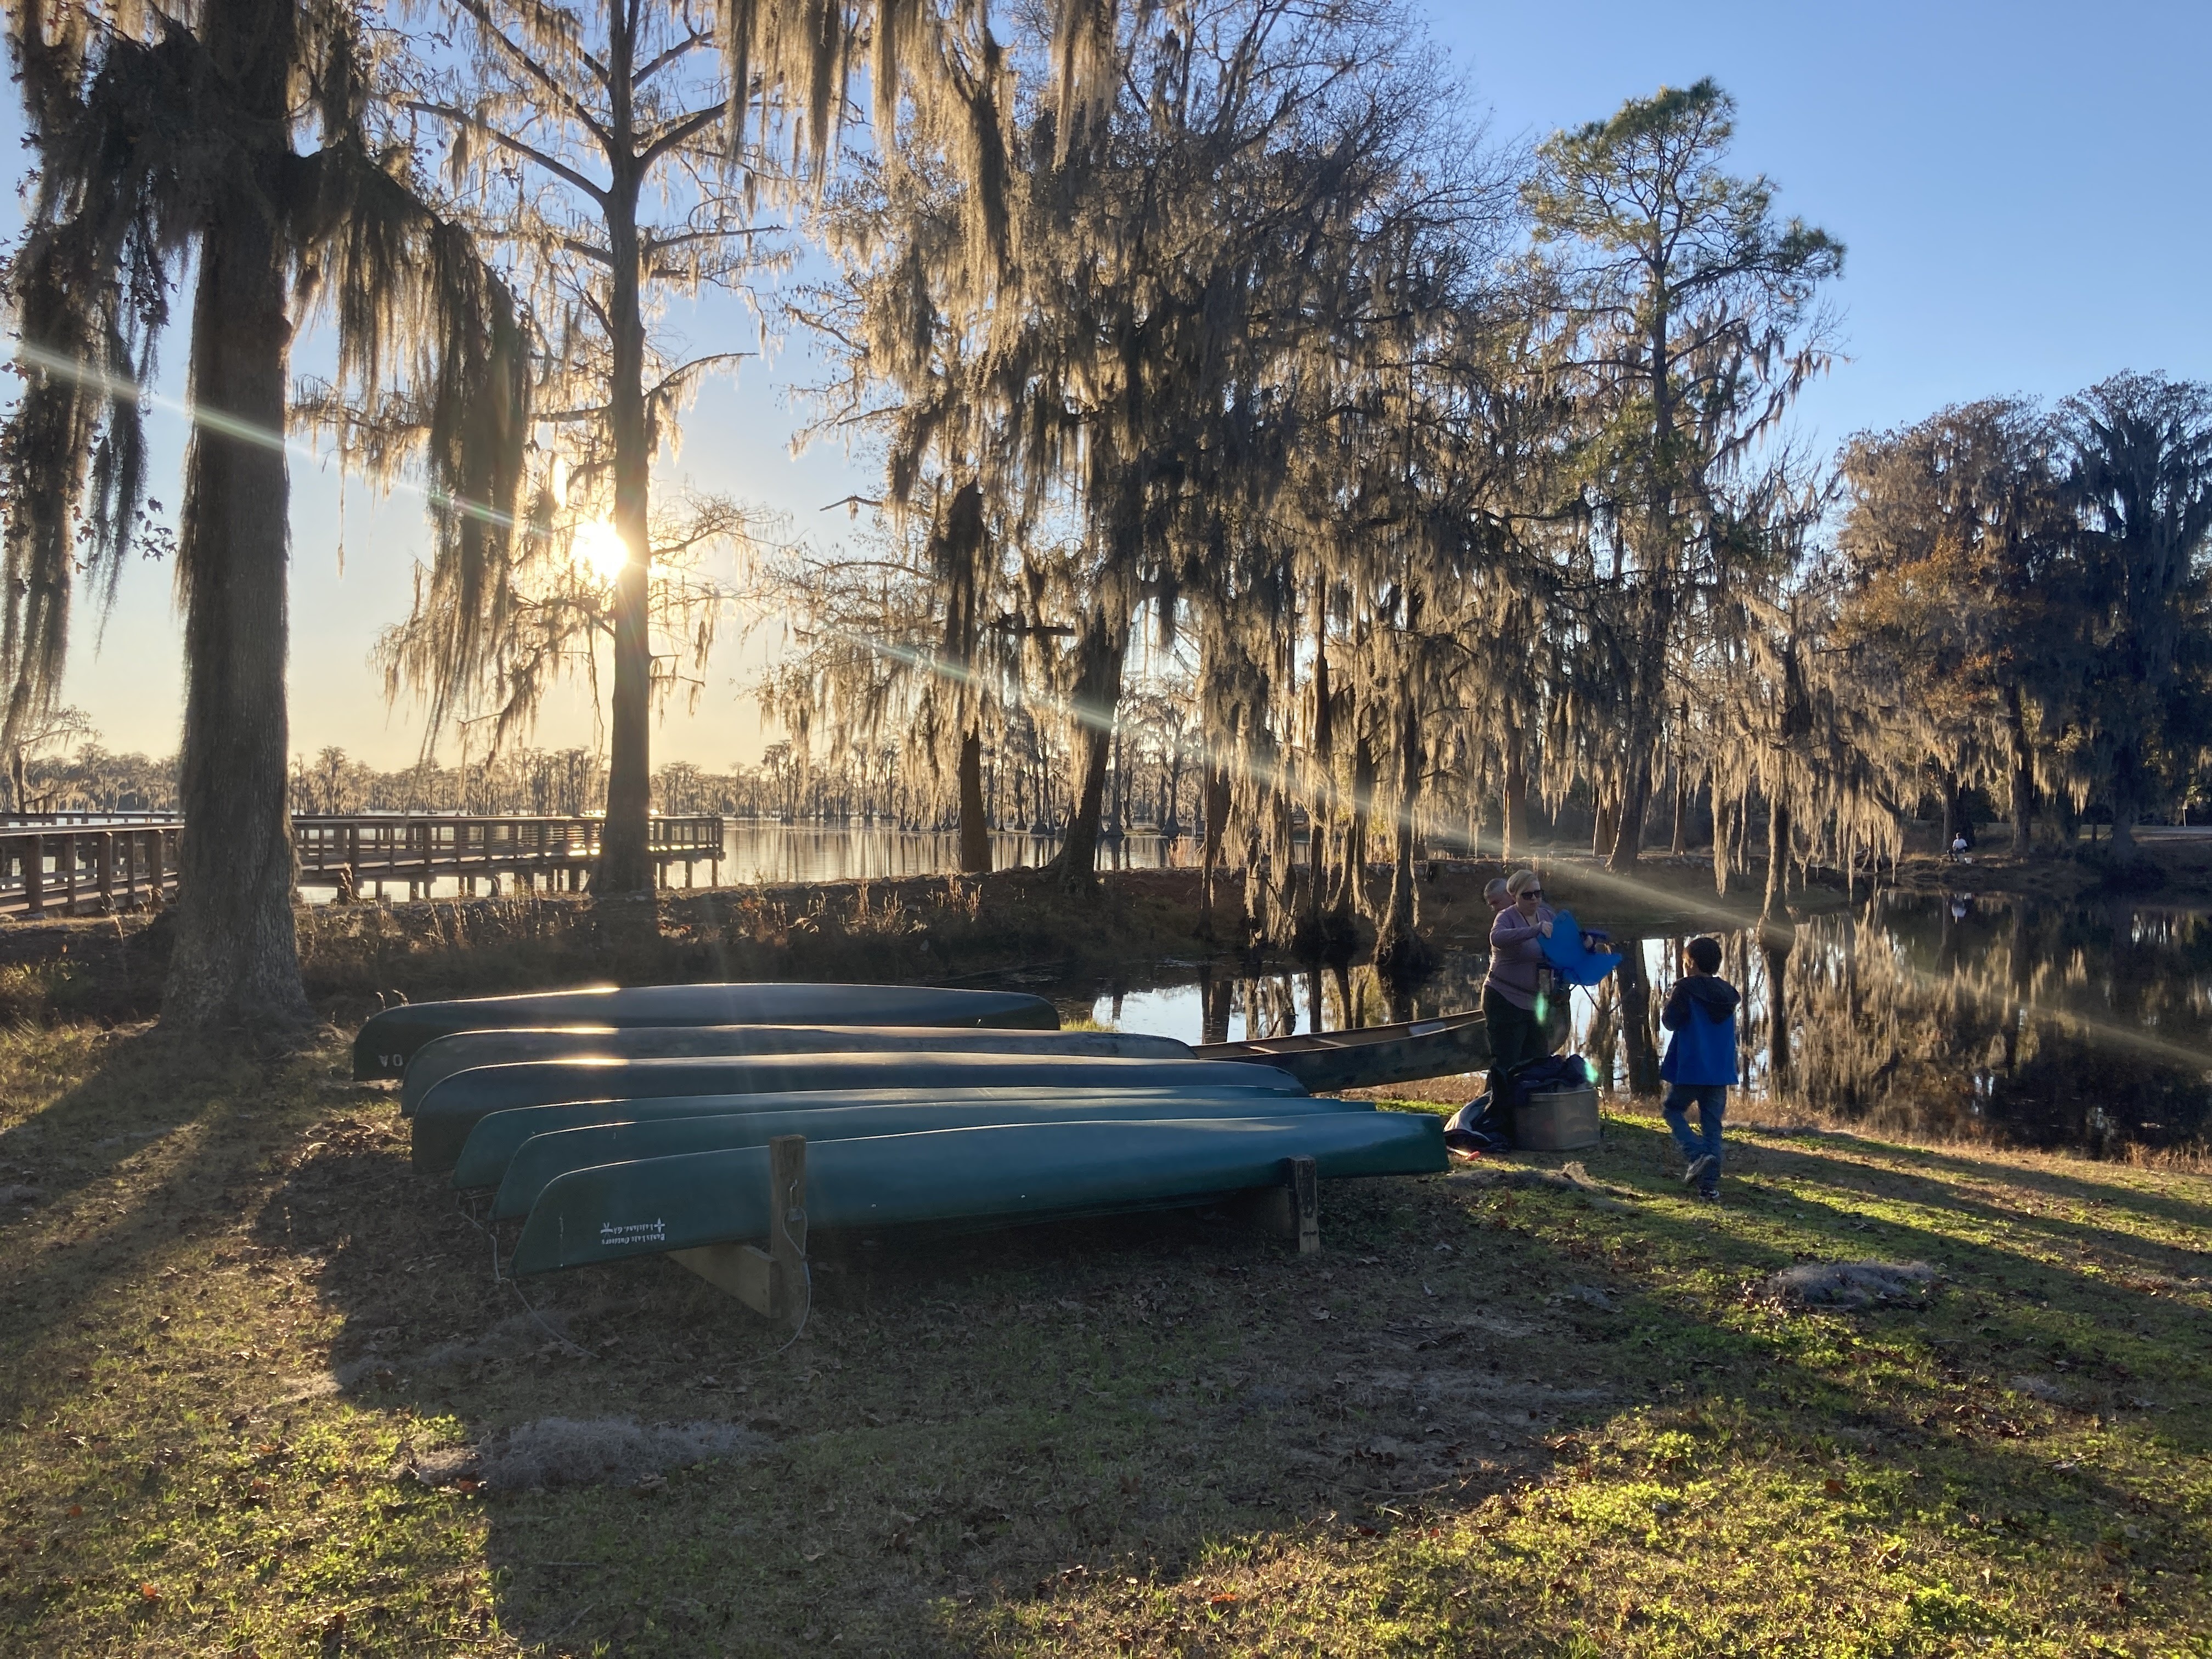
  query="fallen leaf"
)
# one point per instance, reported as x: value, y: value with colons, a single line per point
x: 1223, y: 1599
x: 1833, y: 1487
x: 151, y: 1592
x: 1321, y: 1313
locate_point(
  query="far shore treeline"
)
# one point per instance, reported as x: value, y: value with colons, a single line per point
x: 1265, y: 453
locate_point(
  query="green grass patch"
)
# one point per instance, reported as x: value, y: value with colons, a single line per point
x: 259, y: 1392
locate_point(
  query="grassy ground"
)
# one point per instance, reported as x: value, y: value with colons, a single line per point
x: 260, y: 1393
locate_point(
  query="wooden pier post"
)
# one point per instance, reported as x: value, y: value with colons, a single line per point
x: 34, y: 877
x: 107, y: 856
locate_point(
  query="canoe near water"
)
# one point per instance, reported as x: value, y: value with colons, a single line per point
x: 441, y: 1057
x: 389, y: 1039
x: 993, y: 1175
x: 1369, y: 1058
x: 550, y: 1153
x: 491, y: 1145
x: 447, y: 1113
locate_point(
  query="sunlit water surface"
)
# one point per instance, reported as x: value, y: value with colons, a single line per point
x: 2015, y: 1019
x: 2011, y: 1019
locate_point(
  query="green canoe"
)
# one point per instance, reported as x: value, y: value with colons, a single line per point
x: 445, y: 1115
x: 492, y: 1144
x: 387, y: 1040
x: 553, y: 1152
x: 998, y: 1176
x: 436, y: 1061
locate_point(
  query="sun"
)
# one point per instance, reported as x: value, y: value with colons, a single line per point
x: 599, y: 548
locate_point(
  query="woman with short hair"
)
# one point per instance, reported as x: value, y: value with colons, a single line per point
x: 1510, y: 989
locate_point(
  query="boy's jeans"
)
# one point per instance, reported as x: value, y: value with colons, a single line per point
x: 1711, y: 1100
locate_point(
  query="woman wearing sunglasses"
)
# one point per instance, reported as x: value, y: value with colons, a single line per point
x: 1510, y: 989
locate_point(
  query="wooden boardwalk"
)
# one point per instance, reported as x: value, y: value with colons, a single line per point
x: 82, y: 863
x: 67, y: 863
x: 358, y: 856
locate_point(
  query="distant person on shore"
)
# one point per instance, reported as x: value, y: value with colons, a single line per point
x: 1512, y: 987
x: 1699, y: 1065
x: 1496, y: 896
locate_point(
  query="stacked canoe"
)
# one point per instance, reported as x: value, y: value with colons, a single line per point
x: 626, y: 1122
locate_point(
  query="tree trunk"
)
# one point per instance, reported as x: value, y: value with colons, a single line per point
x: 1352, y: 893
x: 1513, y: 828
x: 1954, y: 817
x: 2022, y: 772
x: 1643, y: 1051
x: 974, y: 826
x: 1212, y: 835
x: 1606, y: 817
x: 1096, y: 697
x: 1775, y: 941
x: 236, y: 960
x: 625, y: 863
x: 1400, y: 953
x: 1778, y: 857
x: 1679, y: 845
x: 1317, y: 812
x: 1635, y: 800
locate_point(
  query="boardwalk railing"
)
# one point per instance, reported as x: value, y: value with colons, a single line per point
x: 66, y: 864
x: 349, y: 854
x: 63, y: 862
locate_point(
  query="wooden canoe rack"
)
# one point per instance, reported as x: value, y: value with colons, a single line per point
x: 773, y: 1282
x: 1290, y: 1210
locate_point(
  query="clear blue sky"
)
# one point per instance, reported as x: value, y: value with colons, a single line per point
x: 2021, y: 187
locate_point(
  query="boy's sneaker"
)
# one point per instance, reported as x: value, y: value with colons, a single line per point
x: 1709, y: 1194
x: 1700, y: 1171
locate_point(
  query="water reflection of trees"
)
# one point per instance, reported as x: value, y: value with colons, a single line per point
x: 1328, y: 997
x: 2038, y: 1024
x: 2022, y: 1022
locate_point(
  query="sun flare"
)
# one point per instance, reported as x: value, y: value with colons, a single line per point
x: 599, y: 548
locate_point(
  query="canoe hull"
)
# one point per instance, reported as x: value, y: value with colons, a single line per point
x: 491, y: 1145
x: 386, y: 1040
x: 1378, y: 1056
x: 979, y: 1177
x: 441, y: 1057
x: 552, y: 1152
x: 446, y: 1114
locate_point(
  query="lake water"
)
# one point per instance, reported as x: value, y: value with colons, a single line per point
x: 2015, y: 1020
x: 759, y: 853
x: 762, y: 852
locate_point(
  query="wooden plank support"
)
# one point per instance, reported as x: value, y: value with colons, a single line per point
x: 1290, y: 1210
x: 773, y: 1282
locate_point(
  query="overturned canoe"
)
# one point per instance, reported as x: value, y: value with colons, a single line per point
x: 491, y: 1145
x: 1376, y: 1056
x: 997, y: 1175
x: 551, y: 1153
x: 387, y: 1040
x: 441, y: 1057
x: 445, y: 1114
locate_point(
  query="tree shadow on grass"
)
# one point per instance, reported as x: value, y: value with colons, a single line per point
x: 972, y: 1429
x: 172, y: 1122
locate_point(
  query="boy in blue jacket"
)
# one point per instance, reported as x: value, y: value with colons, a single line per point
x: 1700, y: 1061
